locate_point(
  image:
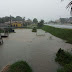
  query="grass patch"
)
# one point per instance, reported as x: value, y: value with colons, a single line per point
x: 65, y: 34
x: 20, y: 66
x: 65, y: 60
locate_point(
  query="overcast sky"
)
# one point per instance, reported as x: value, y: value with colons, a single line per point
x: 41, y: 9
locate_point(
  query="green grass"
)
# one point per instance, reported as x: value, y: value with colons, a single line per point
x: 65, y: 34
x: 65, y: 60
x: 20, y: 66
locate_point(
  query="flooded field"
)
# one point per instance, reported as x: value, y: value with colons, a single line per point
x: 38, y: 51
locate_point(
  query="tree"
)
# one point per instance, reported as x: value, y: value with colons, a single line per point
x: 29, y: 21
x: 18, y: 18
x: 41, y: 23
x: 64, y: 20
x: 13, y: 18
x: 6, y: 19
x: 35, y: 21
x: 69, y: 6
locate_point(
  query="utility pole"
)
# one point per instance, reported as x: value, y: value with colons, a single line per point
x: 23, y: 21
x: 10, y: 20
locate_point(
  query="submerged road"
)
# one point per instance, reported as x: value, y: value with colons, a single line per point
x: 39, y: 50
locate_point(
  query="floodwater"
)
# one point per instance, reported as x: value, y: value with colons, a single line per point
x: 38, y: 51
x: 67, y: 26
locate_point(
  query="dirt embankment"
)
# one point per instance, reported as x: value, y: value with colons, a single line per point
x: 6, y: 68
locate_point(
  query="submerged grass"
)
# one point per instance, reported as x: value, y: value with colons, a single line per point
x: 65, y: 34
x: 20, y: 66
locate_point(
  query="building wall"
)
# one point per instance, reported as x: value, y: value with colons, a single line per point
x: 16, y: 25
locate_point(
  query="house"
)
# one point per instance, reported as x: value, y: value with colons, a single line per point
x: 17, y: 24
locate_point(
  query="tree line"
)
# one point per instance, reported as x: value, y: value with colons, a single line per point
x: 7, y: 18
x: 19, y: 18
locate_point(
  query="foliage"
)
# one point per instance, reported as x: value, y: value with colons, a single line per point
x: 34, y: 29
x: 66, y: 68
x: 69, y: 6
x: 65, y: 34
x: 35, y: 21
x: 64, y: 20
x: 1, y: 31
x: 60, y: 70
x: 18, y: 18
x: 6, y: 19
x: 41, y: 23
x: 10, y: 30
x: 65, y: 59
x: 28, y: 22
x: 20, y: 66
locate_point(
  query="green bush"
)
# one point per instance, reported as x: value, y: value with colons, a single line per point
x: 67, y: 68
x: 1, y: 31
x: 60, y: 70
x: 34, y: 29
x: 63, y: 57
x: 20, y: 66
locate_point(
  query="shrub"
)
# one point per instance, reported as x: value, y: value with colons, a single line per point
x: 67, y: 68
x: 20, y: 66
x: 60, y: 70
x: 63, y: 57
x: 34, y: 29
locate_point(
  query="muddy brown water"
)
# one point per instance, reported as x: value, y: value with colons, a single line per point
x: 38, y: 51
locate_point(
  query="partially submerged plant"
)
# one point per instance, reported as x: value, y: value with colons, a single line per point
x: 34, y: 29
x: 63, y: 57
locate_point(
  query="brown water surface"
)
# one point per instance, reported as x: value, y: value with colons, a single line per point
x: 38, y: 51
